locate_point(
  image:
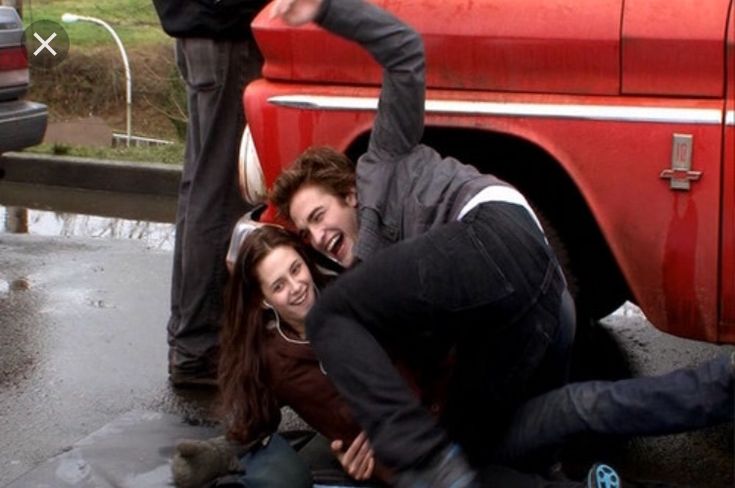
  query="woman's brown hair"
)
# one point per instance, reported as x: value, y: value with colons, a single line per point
x: 249, y: 408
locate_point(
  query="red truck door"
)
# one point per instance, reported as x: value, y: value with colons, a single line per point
x: 674, y: 50
x: 727, y: 301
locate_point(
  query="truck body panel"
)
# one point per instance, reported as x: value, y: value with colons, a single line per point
x: 639, y: 117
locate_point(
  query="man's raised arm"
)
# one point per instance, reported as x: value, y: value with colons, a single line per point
x: 399, y: 124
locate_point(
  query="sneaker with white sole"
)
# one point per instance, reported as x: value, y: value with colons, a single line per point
x: 603, y: 476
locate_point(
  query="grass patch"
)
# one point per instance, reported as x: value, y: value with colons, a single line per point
x: 169, y: 154
x: 135, y: 21
x: 91, y: 81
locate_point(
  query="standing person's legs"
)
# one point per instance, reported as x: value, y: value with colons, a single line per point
x: 215, y: 73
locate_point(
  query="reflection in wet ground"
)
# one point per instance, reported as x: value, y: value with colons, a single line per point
x: 43, y: 223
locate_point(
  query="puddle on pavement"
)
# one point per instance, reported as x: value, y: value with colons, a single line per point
x: 44, y: 223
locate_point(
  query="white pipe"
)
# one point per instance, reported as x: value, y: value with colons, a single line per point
x: 67, y: 17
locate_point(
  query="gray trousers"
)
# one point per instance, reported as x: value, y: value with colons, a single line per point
x: 215, y: 72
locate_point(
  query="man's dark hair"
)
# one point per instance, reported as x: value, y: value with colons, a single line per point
x: 319, y: 166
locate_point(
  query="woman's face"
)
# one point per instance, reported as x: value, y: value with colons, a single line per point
x: 286, y: 284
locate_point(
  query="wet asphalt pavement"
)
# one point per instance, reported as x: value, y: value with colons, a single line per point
x: 82, y: 342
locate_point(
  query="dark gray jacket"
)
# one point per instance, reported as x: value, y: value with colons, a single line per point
x: 403, y: 188
x: 210, y: 19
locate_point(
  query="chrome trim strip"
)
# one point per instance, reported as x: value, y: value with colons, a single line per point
x: 625, y: 113
x: 730, y: 117
x: 25, y: 117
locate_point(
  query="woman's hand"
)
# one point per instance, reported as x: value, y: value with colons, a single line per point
x: 295, y: 12
x: 357, y: 460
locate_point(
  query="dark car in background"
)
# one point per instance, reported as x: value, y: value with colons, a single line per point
x: 22, y: 123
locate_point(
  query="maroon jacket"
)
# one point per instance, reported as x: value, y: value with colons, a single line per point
x: 298, y: 381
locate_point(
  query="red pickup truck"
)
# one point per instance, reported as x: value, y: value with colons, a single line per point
x: 615, y: 118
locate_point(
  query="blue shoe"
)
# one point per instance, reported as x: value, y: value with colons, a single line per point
x: 603, y: 476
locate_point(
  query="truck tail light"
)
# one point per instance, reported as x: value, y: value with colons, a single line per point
x: 250, y: 172
x: 13, y: 58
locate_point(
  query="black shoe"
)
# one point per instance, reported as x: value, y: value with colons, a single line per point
x: 603, y: 476
x: 448, y: 469
x: 191, y: 379
x: 186, y: 372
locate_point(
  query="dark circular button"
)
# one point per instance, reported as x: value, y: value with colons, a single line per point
x: 47, y: 44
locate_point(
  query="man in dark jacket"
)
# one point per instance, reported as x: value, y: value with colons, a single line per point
x: 217, y: 57
x: 451, y: 261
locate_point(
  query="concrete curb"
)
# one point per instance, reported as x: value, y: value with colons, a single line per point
x: 91, y: 174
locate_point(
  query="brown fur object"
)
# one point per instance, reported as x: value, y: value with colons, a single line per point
x: 197, y: 462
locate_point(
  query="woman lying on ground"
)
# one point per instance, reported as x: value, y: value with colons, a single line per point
x: 266, y: 362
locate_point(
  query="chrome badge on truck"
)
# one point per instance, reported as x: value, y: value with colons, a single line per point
x: 681, y: 175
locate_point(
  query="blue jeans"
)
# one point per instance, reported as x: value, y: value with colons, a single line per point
x: 275, y: 465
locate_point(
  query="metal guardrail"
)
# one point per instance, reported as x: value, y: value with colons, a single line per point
x: 90, y: 174
x: 131, y: 190
x: 120, y: 140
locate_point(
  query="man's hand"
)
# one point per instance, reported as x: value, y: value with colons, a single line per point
x: 357, y: 460
x: 295, y: 12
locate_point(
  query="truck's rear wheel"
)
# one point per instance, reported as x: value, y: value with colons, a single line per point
x: 596, y: 353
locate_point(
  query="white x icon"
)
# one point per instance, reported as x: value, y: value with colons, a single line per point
x: 44, y: 44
